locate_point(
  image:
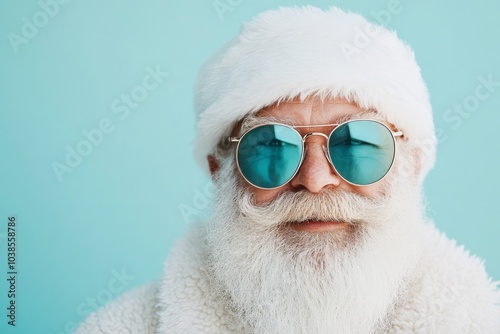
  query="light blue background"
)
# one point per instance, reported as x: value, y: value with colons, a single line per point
x: 120, y: 209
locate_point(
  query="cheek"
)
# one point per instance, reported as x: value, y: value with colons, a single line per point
x: 371, y: 191
x: 262, y: 196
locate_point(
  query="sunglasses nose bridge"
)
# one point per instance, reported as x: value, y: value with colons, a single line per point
x: 325, y: 150
x: 309, y: 134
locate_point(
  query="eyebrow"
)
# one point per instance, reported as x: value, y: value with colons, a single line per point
x: 253, y: 121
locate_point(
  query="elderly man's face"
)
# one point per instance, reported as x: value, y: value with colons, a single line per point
x: 315, y: 174
x: 303, y: 258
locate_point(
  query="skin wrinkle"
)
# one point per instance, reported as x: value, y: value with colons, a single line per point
x: 262, y: 118
x: 296, y: 113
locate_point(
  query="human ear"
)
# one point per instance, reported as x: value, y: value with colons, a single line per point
x: 213, y: 165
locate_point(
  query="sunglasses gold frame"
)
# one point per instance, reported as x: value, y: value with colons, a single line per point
x: 325, y: 150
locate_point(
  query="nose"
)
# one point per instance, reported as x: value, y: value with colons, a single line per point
x: 316, y: 173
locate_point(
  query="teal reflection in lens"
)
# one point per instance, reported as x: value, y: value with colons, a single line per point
x: 362, y: 151
x: 269, y: 155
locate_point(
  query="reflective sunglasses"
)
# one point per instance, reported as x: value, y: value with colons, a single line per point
x: 361, y: 152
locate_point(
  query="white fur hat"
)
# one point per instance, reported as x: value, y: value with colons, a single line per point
x: 305, y: 51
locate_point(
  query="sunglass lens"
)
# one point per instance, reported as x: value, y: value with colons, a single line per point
x: 269, y: 155
x: 362, y: 151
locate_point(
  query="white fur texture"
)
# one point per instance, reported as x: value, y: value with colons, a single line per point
x: 451, y: 293
x: 297, y: 52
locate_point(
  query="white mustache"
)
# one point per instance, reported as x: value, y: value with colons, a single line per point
x: 329, y: 205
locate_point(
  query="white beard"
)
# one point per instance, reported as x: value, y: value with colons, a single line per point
x: 278, y: 280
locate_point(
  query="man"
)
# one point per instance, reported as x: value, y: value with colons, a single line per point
x: 318, y: 149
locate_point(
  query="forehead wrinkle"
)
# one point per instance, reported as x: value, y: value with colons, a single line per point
x: 254, y: 120
x: 364, y: 114
x: 370, y: 114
